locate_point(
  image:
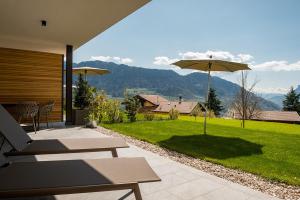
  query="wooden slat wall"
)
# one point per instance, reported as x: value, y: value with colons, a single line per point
x: 31, y: 76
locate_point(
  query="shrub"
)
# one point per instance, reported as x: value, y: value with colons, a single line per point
x: 132, y: 105
x: 173, y: 114
x: 160, y: 118
x: 148, y: 116
x: 97, y: 107
x: 121, y: 117
x: 113, y: 112
x: 83, y: 93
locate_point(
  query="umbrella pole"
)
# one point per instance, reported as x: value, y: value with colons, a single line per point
x: 243, y: 100
x: 207, y: 96
x: 85, y: 72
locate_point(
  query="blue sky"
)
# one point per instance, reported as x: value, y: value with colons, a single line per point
x: 263, y: 33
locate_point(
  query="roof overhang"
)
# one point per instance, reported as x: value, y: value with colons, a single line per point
x: 69, y: 22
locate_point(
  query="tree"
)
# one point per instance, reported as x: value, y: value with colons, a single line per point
x: 132, y: 106
x: 214, y: 103
x: 291, y: 101
x: 246, y: 103
x: 83, y: 93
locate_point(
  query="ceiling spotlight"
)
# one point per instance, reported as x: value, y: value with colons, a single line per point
x: 43, y: 22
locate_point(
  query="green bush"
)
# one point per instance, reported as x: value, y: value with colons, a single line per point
x: 83, y: 93
x: 148, y: 116
x: 160, y: 118
x: 97, y: 107
x: 173, y: 114
x: 113, y: 112
x: 132, y: 106
x: 121, y: 117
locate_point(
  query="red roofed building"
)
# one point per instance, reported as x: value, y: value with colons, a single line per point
x: 158, y: 104
x: 279, y: 116
x: 275, y: 116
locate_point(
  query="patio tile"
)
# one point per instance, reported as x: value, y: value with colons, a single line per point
x: 165, y: 169
x: 168, y: 181
x: 161, y: 195
x: 201, y: 198
x: 187, y: 174
x: 193, y: 189
x: 226, y: 193
x: 154, y: 162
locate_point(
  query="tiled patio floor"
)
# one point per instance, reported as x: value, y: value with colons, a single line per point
x: 179, y: 182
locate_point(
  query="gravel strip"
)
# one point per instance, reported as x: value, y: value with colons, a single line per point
x: 279, y: 190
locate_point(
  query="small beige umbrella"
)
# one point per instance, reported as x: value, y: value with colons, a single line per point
x: 211, y: 65
x: 89, y: 71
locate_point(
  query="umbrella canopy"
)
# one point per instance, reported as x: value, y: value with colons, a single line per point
x: 211, y: 65
x: 89, y: 71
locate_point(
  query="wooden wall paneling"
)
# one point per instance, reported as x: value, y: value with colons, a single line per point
x: 32, y: 76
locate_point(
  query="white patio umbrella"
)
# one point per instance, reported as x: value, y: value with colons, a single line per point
x: 89, y: 71
x: 210, y: 65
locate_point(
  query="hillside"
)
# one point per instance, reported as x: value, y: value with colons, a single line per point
x: 277, y: 98
x: 298, y: 89
x: 164, y: 82
x: 274, y: 97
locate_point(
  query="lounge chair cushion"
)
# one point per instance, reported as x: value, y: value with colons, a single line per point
x: 72, y: 176
x: 4, y: 147
x: 13, y: 132
x: 53, y: 146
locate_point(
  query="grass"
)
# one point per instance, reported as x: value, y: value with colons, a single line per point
x: 271, y: 150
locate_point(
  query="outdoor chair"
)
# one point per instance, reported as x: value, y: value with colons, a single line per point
x: 44, y: 178
x: 27, y: 109
x: 23, y: 145
x: 44, y: 111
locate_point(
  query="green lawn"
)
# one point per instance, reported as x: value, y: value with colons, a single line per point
x: 271, y: 150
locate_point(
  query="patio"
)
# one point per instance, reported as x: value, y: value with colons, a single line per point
x: 179, y: 182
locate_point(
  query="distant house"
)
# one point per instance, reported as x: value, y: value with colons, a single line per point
x: 158, y: 104
x: 150, y: 102
x: 275, y: 116
x: 279, y: 116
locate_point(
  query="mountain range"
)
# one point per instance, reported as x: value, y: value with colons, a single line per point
x: 163, y: 82
x: 277, y: 98
x: 298, y: 89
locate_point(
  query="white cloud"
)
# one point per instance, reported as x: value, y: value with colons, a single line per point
x: 115, y: 59
x: 277, y: 90
x: 222, y: 55
x: 245, y: 57
x: 163, y: 60
x: 190, y: 55
x: 126, y: 60
x: 101, y: 58
x: 277, y: 66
